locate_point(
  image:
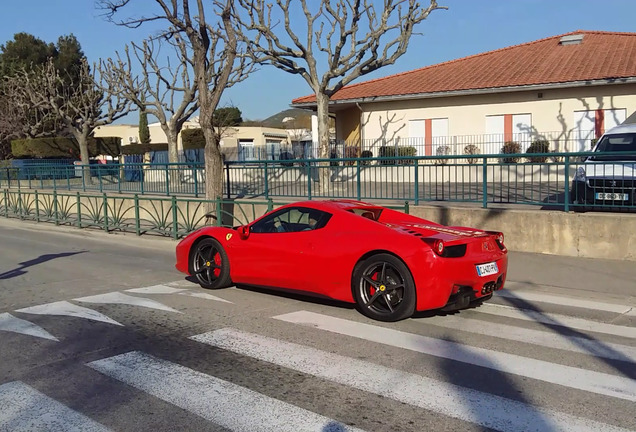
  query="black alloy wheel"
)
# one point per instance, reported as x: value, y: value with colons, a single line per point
x: 383, y: 288
x: 210, y: 265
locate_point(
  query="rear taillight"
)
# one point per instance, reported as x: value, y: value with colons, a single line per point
x: 499, y: 238
x: 438, y: 247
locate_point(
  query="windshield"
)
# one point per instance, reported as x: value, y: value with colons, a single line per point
x: 625, y: 142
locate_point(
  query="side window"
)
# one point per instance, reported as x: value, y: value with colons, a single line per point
x: 293, y: 219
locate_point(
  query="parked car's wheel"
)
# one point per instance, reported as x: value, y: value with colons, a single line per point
x: 383, y: 288
x: 210, y: 265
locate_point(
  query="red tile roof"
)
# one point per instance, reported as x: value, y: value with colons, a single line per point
x: 600, y: 55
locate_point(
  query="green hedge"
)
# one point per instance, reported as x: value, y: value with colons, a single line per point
x: 192, y: 139
x: 61, y: 147
x: 393, y: 151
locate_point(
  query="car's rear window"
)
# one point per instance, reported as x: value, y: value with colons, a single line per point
x: 616, y: 143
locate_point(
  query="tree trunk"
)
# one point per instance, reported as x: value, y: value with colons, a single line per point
x: 213, y: 169
x: 324, y: 173
x: 82, y: 141
x: 173, y: 151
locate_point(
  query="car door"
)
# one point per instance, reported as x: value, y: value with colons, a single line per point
x: 278, y: 251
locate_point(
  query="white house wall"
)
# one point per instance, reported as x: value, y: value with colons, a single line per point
x: 551, y: 111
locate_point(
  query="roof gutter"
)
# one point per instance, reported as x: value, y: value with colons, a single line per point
x: 471, y: 92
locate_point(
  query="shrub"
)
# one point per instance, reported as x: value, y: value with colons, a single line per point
x: 511, y: 147
x: 62, y: 147
x: 192, y: 139
x: 471, y: 149
x: 538, y: 146
x: 397, y: 151
x: 443, y: 151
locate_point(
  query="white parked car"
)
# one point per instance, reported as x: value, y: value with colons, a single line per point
x: 609, y: 179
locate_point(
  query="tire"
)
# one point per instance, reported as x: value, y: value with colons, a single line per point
x: 210, y: 265
x: 383, y: 288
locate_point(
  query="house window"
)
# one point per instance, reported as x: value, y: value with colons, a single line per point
x: 246, y: 150
x: 428, y: 135
x: 590, y: 125
x: 507, y: 127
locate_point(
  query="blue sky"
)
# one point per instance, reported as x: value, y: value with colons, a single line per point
x: 467, y: 27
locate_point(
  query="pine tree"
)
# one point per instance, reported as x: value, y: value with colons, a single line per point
x: 144, y: 132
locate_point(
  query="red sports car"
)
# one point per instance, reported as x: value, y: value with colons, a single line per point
x: 390, y: 264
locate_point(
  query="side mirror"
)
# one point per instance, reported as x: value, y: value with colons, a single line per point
x: 244, y: 232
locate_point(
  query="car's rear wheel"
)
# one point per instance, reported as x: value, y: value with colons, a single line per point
x: 383, y: 288
x: 210, y: 265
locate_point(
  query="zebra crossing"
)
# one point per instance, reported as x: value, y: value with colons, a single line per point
x: 235, y: 407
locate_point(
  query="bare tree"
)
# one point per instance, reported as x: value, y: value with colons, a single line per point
x: 216, y: 62
x: 21, y: 115
x: 351, y: 37
x: 81, y: 108
x: 166, y: 92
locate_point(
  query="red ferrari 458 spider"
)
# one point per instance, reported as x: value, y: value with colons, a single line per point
x: 390, y: 264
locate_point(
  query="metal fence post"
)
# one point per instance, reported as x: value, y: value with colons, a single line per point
x: 195, y: 175
x: 6, y: 203
x: 20, y: 203
x: 309, y: 179
x: 358, y: 185
x: 105, y: 213
x: 175, y: 227
x: 167, y: 181
x: 566, y: 198
x: 219, y: 209
x: 37, y: 207
x: 266, y: 184
x: 407, y: 209
x: 137, y: 221
x: 227, y: 180
x: 417, y: 182
x: 143, y: 177
x: 55, y: 207
x: 484, y: 183
x: 79, y: 210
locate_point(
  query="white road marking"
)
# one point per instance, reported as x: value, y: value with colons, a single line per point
x: 568, y: 376
x: 121, y: 298
x: 451, y: 400
x: 22, y: 408
x: 556, y: 319
x: 564, y: 301
x: 204, y: 296
x: 226, y: 404
x: 12, y: 324
x: 156, y: 289
x: 64, y: 308
x: 548, y: 338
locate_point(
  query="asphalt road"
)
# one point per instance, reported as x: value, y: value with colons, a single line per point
x: 99, y: 332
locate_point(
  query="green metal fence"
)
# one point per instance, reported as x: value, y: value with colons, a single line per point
x: 541, y: 179
x: 173, y: 217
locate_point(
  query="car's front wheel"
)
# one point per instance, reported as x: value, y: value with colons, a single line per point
x: 210, y: 265
x: 383, y: 288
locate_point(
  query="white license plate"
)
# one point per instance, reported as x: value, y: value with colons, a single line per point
x: 611, y: 196
x: 487, y: 269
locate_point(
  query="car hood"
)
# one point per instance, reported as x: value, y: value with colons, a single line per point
x: 609, y: 169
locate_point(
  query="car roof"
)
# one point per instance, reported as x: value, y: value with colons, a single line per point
x: 334, y: 205
x: 624, y: 128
